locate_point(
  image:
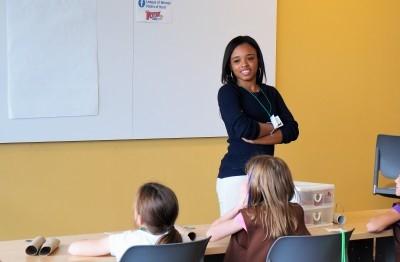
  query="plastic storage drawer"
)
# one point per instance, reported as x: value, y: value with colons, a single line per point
x: 318, y: 216
x: 314, y: 194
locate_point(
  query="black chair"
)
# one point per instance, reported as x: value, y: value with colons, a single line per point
x: 178, y: 252
x: 387, y: 163
x: 321, y: 248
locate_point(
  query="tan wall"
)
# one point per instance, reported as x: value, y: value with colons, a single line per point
x: 338, y: 66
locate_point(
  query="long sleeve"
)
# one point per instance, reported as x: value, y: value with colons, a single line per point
x: 290, y: 129
x: 237, y: 123
x: 242, y: 112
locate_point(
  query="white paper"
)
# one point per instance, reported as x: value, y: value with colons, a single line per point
x: 52, y: 58
x: 153, y: 11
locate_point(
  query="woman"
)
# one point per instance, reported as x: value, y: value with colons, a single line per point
x: 255, y: 116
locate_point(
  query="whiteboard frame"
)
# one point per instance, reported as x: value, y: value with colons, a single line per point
x: 180, y: 99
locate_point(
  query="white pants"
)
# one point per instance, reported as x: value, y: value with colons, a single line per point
x: 228, y: 191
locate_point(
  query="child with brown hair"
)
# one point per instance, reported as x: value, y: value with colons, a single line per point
x: 155, y: 212
x: 263, y: 214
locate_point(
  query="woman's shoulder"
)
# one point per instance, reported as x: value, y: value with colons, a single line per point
x: 229, y: 88
x: 268, y: 86
x: 269, y: 89
x: 229, y: 92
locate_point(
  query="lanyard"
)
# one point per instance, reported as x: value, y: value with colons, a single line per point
x: 269, y: 112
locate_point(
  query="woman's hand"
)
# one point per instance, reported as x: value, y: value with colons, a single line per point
x: 265, y: 129
x: 249, y: 141
x: 272, y: 139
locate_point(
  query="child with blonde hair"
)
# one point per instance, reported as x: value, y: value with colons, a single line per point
x: 155, y: 212
x: 264, y: 212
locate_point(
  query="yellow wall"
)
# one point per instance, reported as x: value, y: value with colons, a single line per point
x: 337, y: 68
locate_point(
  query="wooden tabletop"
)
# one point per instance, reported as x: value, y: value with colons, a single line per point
x: 13, y: 251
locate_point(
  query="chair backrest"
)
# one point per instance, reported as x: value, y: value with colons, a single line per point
x: 177, y: 252
x: 327, y: 248
x: 387, y: 163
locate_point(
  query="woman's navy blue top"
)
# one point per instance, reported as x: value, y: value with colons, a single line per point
x: 241, y: 113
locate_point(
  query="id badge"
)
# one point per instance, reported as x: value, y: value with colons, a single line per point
x: 276, y: 121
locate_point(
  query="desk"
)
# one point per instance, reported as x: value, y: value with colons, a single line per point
x: 355, y: 219
x: 13, y: 251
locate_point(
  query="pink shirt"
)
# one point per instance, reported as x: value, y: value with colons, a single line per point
x: 240, y: 220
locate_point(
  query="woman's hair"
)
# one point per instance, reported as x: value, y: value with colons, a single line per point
x: 158, y: 208
x: 227, y: 74
x: 270, y: 190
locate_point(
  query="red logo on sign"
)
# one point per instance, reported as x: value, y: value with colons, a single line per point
x: 153, y: 15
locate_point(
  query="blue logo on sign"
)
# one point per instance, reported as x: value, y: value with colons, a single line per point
x: 142, y: 3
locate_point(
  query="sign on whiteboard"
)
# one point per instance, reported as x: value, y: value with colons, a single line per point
x: 154, y: 11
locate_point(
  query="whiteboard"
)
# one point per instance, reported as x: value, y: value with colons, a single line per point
x: 156, y: 80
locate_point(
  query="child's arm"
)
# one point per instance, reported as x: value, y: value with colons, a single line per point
x: 242, y: 204
x: 227, y: 216
x: 227, y: 225
x: 98, y: 247
x: 224, y: 226
x: 381, y: 222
